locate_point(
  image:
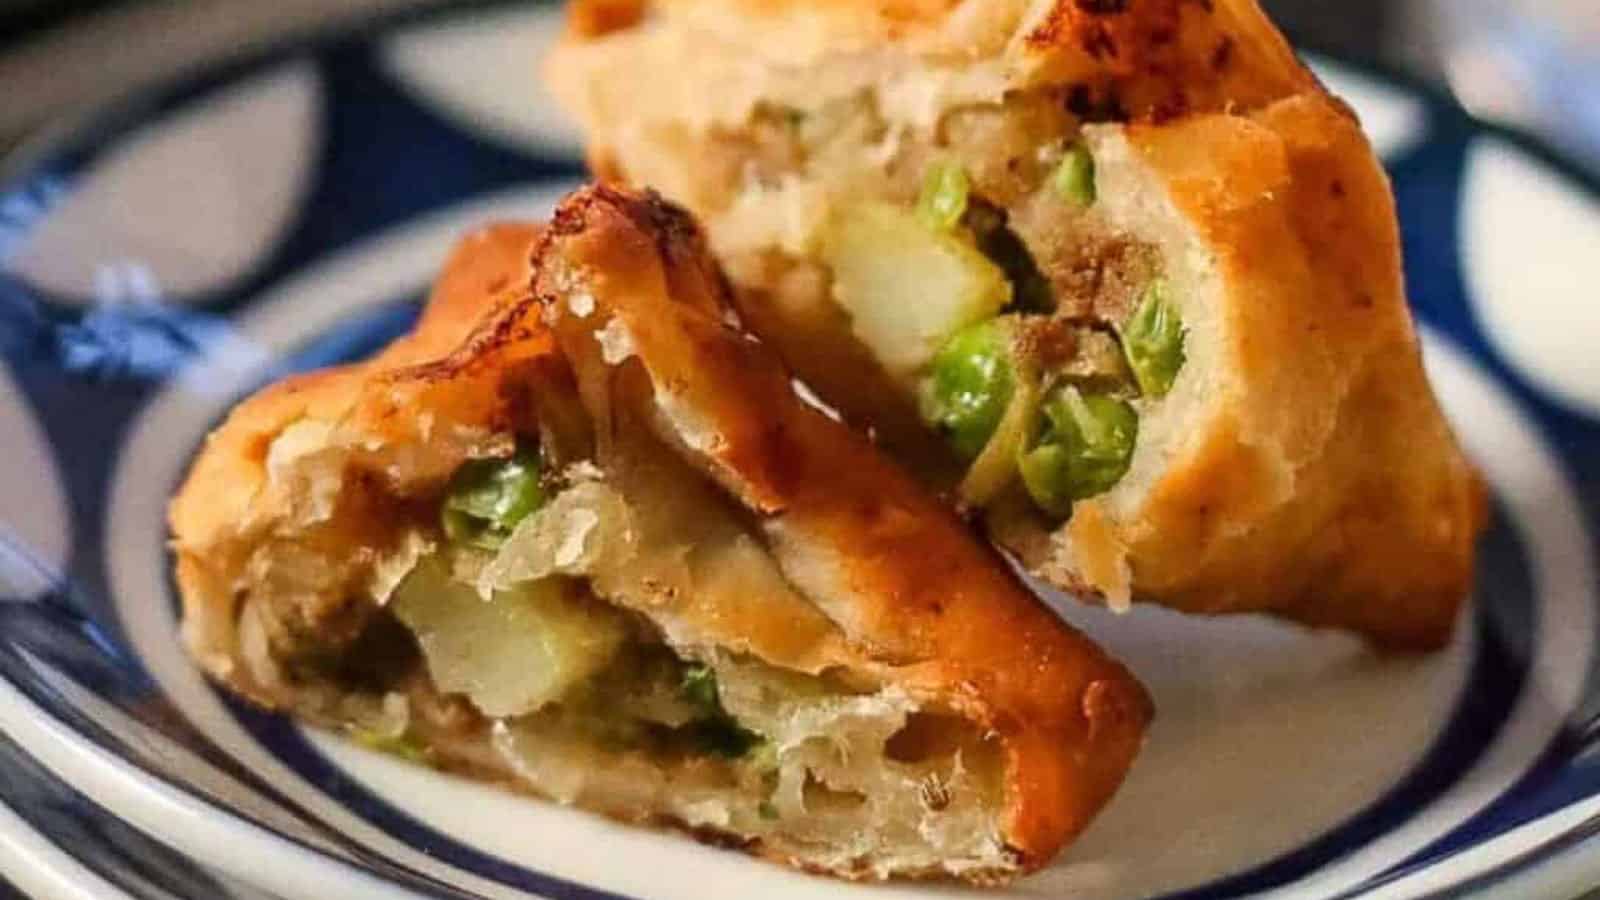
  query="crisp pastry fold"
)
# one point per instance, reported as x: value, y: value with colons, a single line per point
x: 578, y: 534
x: 1121, y: 279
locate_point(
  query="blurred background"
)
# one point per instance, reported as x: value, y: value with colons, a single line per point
x: 1533, y: 63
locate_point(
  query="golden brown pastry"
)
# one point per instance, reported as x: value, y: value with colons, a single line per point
x: 1121, y: 277
x: 579, y: 535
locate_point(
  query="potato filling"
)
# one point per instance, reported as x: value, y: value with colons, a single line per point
x: 973, y: 258
x: 503, y: 620
x: 512, y: 661
x: 1024, y: 387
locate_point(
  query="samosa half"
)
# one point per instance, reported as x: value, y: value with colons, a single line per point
x: 1121, y: 278
x: 580, y: 535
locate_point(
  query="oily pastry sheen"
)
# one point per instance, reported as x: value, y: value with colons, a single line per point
x: 1122, y: 278
x: 579, y: 535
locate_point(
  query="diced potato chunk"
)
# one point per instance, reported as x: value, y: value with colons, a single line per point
x: 907, y: 287
x: 510, y: 655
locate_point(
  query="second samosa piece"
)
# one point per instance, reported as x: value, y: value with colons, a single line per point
x: 1120, y: 277
x: 579, y: 535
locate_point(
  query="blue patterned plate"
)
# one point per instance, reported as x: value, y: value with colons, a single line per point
x: 287, y: 211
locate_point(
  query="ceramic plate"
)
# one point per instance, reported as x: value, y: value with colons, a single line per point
x: 287, y: 211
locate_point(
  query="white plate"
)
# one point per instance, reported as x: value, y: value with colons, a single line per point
x: 286, y: 211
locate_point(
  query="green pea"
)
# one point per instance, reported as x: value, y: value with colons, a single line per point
x: 943, y: 200
x: 1152, y: 340
x: 969, y: 386
x: 1074, y: 177
x: 714, y: 731
x: 487, y: 498
x: 699, y: 687
x: 1084, y: 449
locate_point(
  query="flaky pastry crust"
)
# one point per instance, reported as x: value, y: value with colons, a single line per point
x: 898, y: 592
x: 1301, y: 465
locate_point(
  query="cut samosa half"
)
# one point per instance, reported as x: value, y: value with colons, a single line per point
x: 1121, y: 279
x: 594, y: 546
